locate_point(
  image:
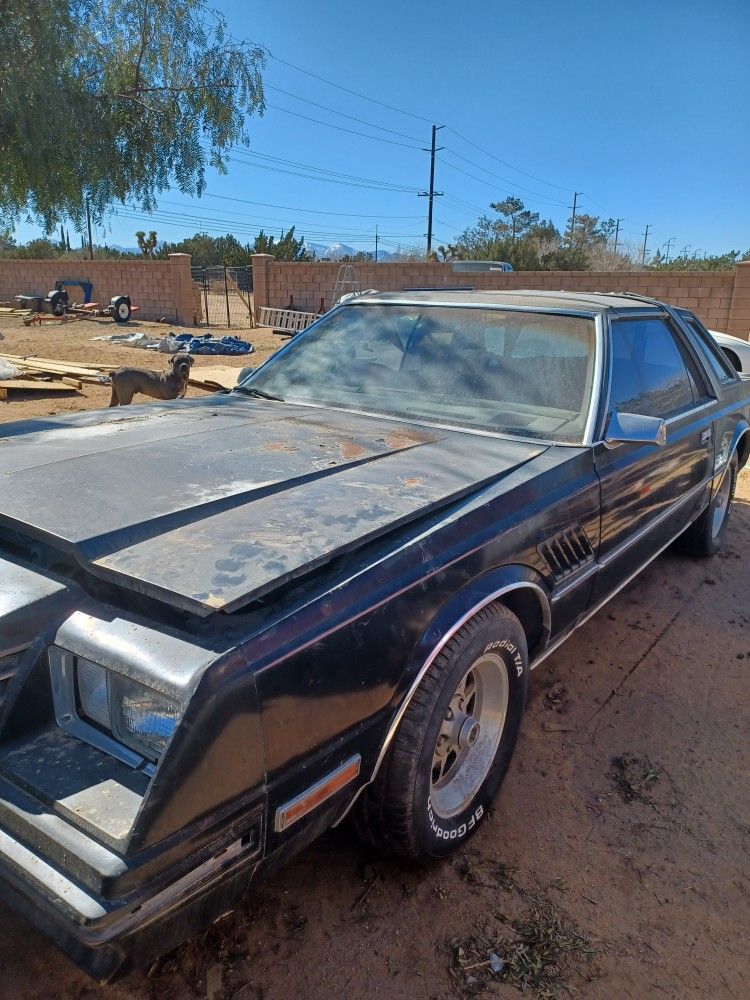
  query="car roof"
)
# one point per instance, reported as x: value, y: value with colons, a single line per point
x: 588, y: 302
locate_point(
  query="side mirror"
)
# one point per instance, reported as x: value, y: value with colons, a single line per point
x: 243, y: 374
x: 633, y: 428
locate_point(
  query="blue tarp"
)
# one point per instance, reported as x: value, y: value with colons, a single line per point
x: 207, y: 344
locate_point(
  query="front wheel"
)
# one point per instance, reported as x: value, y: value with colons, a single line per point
x: 454, y: 743
x: 704, y: 537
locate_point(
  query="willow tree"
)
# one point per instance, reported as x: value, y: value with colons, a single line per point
x: 115, y: 101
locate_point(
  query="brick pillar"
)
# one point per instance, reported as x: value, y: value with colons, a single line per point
x: 261, y: 263
x: 182, y: 288
x: 739, y: 311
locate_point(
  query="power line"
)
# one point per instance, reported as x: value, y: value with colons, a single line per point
x: 346, y: 90
x: 198, y: 217
x: 481, y: 180
x: 505, y: 163
x: 342, y: 114
x: 342, y: 128
x: 339, y: 176
x: 316, y: 211
x: 505, y: 180
x: 422, y: 118
x: 239, y: 226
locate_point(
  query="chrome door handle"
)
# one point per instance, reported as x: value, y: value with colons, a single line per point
x: 706, y: 436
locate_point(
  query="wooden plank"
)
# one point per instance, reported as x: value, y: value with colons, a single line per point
x: 27, y: 385
x: 76, y: 383
x: 221, y: 375
x: 49, y: 365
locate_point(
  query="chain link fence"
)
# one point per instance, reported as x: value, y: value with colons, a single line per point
x: 224, y: 296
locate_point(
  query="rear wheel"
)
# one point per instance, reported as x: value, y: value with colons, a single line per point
x: 121, y: 309
x: 704, y: 537
x: 454, y: 743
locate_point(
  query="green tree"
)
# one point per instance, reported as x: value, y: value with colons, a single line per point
x: 586, y: 232
x: 287, y: 247
x: 159, y: 87
x: 520, y: 218
x: 147, y: 244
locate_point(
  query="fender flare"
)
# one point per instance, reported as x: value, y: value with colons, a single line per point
x: 461, y: 606
x: 740, y: 431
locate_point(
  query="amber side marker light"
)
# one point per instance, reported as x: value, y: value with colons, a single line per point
x: 314, y: 796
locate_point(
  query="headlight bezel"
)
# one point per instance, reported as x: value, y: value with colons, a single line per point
x: 109, y: 731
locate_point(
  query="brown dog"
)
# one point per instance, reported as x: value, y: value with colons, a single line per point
x: 169, y: 384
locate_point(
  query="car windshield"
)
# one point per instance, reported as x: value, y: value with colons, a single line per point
x: 511, y: 372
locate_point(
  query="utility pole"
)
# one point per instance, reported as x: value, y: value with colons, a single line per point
x: 667, y: 245
x: 432, y: 193
x: 376, y: 244
x: 573, y: 216
x: 645, y: 240
x: 88, y: 220
x: 617, y: 233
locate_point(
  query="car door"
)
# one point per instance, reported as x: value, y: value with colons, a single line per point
x: 650, y: 492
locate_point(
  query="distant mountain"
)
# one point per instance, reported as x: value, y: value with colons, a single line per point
x: 116, y: 246
x: 335, y: 251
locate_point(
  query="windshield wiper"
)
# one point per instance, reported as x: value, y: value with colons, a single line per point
x: 250, y: 390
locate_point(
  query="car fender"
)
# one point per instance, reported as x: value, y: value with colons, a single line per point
x: 741, y: 442
x: 451, y: 616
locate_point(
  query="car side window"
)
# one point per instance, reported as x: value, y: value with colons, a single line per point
x: 649, y: 373
x: 722, y: 367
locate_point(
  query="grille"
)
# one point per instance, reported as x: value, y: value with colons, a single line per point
x: 566, y: 552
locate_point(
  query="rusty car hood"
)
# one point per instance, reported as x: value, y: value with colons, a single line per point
x: 207, y: 504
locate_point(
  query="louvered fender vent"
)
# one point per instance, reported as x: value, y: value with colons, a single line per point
x: 566, y: 552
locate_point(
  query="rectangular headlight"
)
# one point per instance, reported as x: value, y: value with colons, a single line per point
x: 92, y: 692
x: 140, y: 717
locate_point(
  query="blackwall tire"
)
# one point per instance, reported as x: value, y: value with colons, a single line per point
x: 121, y: 310
x: 705, y: 536
x: 454, y: 743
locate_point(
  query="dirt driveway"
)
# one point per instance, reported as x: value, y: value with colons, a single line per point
x: 615, y: 861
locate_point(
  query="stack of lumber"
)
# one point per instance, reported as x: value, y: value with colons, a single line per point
x: 37, y: 374
x: 49, y: 375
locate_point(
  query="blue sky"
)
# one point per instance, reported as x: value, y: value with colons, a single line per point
x: 642, y: 106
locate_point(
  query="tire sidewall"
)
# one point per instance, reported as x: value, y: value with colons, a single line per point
x: 437, y: 835
x: 715, y: 541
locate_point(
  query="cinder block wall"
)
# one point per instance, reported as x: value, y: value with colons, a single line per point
x: 160, y: 288
x: 720, y: 298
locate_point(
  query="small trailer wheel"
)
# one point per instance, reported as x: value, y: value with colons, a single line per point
x: 57, y: 302
x: 121, y: 309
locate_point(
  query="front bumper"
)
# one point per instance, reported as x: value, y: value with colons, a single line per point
x: 71, y: 899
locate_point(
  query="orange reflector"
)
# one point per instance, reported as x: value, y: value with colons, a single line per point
x: 315, y: 795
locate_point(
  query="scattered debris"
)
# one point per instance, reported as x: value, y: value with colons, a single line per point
x: 544, y: 950
x: 486, y: 874
x: 173, y: 343
x: 556, y: 697
x: 632, y: 776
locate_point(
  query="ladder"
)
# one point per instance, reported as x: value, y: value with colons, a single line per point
x: 346, y: 283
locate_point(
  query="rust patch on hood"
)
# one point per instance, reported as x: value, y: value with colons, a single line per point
x: 277, y: 446
x: 408, y: 439
x: 351, y: 451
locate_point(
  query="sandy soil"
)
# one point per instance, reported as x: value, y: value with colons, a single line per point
x: 72, y: 342
x: 618, y: 847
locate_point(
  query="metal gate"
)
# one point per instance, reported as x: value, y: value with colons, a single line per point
x: 224, y: 295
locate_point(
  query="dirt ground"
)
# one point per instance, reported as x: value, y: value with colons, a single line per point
x: 73, y: 342
x: 614, y: 864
